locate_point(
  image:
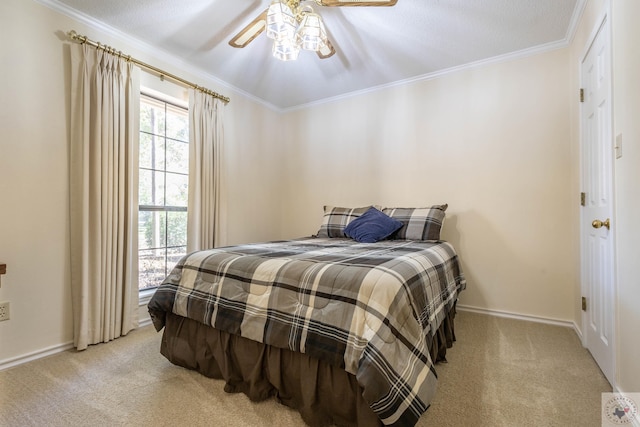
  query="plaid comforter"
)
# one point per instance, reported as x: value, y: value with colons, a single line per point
x: 368, y: 308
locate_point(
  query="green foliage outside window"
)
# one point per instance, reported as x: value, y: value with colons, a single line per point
x: 163, y: 189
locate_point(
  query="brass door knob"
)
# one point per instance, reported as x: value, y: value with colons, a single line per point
x: 598, y: 224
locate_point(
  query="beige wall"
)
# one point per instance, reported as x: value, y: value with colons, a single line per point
x: 493, y: 142
x: 253, y: 173
x: 34, y: 231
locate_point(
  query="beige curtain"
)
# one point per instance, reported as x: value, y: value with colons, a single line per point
x: 103, y: 195
x: 206, y: 136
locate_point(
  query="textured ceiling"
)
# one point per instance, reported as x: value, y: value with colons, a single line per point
x: 375, y: 46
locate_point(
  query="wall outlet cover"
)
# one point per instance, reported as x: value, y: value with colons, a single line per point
x: 4, y: 311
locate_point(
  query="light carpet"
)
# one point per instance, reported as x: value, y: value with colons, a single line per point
x: 500, y: 372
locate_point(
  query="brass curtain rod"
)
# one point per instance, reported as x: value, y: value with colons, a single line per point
x: 157, y: 71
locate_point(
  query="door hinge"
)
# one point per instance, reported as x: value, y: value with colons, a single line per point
x: 581, y: 95
x: 583, y: 199
x: 584, y: 304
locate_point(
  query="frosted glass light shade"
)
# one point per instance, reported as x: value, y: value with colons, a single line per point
x: 311, y: 34
x: 286, y: 50
x: 281, y: 21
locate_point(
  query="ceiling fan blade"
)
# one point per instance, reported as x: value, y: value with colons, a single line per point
x: 250, y: 32
x: 326, y: 50
x: 358, y: 2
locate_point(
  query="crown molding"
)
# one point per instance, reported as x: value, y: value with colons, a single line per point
x: 575, y: 20
x: 536, y: 50
x: 440, y: 73
x: 147, y: 48
x: 156, y: 52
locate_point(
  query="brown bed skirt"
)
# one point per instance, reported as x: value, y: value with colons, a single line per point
x: 323, y: 394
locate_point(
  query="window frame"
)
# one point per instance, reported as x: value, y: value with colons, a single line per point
x: 145, y: 294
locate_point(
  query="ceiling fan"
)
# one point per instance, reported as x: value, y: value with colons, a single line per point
x: 293, y: 26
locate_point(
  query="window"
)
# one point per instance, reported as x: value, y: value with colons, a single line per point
x: 163, y: 189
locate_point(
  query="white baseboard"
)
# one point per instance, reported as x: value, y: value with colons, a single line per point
x: 10, y: 363
x: 578, y: 331
x: 143, y: 320
x: 518, y: 316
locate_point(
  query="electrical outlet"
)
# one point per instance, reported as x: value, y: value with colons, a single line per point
x: 4, y: 311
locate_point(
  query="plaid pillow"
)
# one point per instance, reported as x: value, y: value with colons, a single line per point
x: 336, y: 219
x: 418, y: 223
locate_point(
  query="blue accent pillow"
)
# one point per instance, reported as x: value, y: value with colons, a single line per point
x: 371, y: 227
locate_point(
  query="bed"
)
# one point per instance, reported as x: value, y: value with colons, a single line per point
x: 346, y: 332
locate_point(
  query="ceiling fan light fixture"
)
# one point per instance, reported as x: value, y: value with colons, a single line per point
x: 294, y: 27
x: 281, y: 21
x: 311, y: 33
x: 286, y: 50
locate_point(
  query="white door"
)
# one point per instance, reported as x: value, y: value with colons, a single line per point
x: 597, y: 185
